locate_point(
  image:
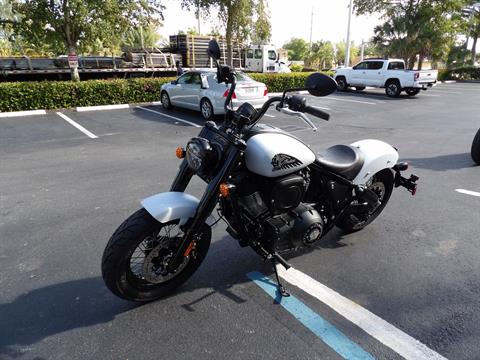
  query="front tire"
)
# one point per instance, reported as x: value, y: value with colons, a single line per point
x: 382, y: 184
x: 134, y: 260
x: 341, y: 83
x: 475, y: 151
x: 165, y: 99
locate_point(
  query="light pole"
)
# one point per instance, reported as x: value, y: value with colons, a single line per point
x: 347, y: 46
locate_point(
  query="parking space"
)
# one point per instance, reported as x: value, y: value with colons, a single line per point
x: 67, y: 180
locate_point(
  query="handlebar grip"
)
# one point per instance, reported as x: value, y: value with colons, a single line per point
x: 317, y: 112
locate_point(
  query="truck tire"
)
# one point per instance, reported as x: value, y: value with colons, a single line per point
x: 475, y: 151
x: 393, y: 88
x: 341, y: 83
x: 412, y: 92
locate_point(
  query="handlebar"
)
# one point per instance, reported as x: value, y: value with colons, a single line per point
x: 317, y: 112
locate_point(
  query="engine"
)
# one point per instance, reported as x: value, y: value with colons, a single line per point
x: 273, y: 213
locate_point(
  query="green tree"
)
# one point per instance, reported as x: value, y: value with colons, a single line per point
x: 297, y: 49
x: 142, y: 36
x: 235, y: 17
x: 414, y: 28
x: 321, y: 56
x: 73, y: 25
x: 262, y: 29
x: 340, y: 51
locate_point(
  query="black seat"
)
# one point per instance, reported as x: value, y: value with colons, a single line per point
x: 344, y: 160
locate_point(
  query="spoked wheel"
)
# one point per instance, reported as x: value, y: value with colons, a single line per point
x: 353, y: 219
x: 207, y: 109
x: 393, y: 89
x: 165, y: 99
x: 134, y: 263
x: 341, y: 83
x: 475, y: 151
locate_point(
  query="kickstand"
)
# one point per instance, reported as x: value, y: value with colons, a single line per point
x: 282, y: 290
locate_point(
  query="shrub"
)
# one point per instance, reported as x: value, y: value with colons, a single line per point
x: 296, y: 68
x: 19, y: 96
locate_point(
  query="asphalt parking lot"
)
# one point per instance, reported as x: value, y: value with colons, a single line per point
x: 63, y: 191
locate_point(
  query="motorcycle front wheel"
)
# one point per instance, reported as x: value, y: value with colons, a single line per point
x: 353, y: 220
x: 134, y: 262
x: 475, y: 150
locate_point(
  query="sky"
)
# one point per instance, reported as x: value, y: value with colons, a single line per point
x: 289, y: 19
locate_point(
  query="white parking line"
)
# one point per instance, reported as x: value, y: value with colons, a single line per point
x: 355, y: 101
x: 77, y: 125
x: 468, y: 192
x: 169, y: 116
x: 381, y: 330
x: 268, y: 115
x: 446, y: 91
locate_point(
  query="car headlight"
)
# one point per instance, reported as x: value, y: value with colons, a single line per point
x: 200, y: 155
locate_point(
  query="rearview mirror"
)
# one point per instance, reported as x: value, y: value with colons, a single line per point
x: 319, y: 84
x: 213, y: 50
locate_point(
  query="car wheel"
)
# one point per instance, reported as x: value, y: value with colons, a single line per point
x: 341, y: 83
x: 165, y: 99
x: 393, y: 89
x: 207, y: 109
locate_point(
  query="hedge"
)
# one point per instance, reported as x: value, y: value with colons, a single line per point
x: 465, y: 73
x: 68, y: 94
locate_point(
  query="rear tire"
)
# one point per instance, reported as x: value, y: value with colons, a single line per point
x: 393, y: 88
x: 139, y: 230
x: 412, y: 92
x: 206, y: 109
x: 475, y: 151
x: 341, y: 83
x: 382, y: 184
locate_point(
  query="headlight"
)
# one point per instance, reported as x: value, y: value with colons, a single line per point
x: 200, y: 155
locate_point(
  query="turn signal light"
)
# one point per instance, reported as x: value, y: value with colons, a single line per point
x: 180, y: 152
x: 226, y: 189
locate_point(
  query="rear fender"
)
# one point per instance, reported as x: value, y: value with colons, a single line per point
x: 172, y: 205
x: 378, y: 156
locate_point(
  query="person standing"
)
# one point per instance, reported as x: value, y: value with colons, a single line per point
x: 179, y: 68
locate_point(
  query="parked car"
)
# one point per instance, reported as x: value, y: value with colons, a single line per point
x: 390, y: 74
x: 199, y: 90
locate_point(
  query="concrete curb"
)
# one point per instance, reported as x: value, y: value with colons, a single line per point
x: 102, y: 107
x: 22, y: 113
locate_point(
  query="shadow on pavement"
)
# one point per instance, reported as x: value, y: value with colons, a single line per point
x: 443, y: 162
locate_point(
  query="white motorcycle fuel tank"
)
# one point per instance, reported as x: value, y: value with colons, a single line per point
x: 276, y: 154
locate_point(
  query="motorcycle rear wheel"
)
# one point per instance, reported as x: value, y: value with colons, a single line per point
x: 475, y: 151
x: 134, y: 260
x: 382, y: 184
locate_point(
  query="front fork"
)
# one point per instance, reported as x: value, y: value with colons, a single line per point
x: 207, y: 202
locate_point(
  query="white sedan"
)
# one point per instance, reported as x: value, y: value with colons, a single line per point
x: 199, y: 90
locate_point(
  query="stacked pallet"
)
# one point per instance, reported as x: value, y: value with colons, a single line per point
x: 193, y: 50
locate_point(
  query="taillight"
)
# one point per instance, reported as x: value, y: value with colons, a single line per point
x: 416, y: 76
x: 225, y: 94
x: 265, y: 91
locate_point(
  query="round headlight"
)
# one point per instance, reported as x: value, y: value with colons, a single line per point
x: 200, y: 154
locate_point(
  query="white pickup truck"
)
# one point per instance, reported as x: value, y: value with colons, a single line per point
x: 385, y: 73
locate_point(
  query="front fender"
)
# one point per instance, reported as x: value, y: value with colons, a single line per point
x: 170, y: 206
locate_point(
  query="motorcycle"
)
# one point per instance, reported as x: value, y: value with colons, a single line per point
x: 273, y: 192
x: 475, y: 150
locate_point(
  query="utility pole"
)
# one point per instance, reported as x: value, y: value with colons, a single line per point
x: 311, y: 29
x: 198, y: 17
x: 362, y: 52
x: 347, y: 50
